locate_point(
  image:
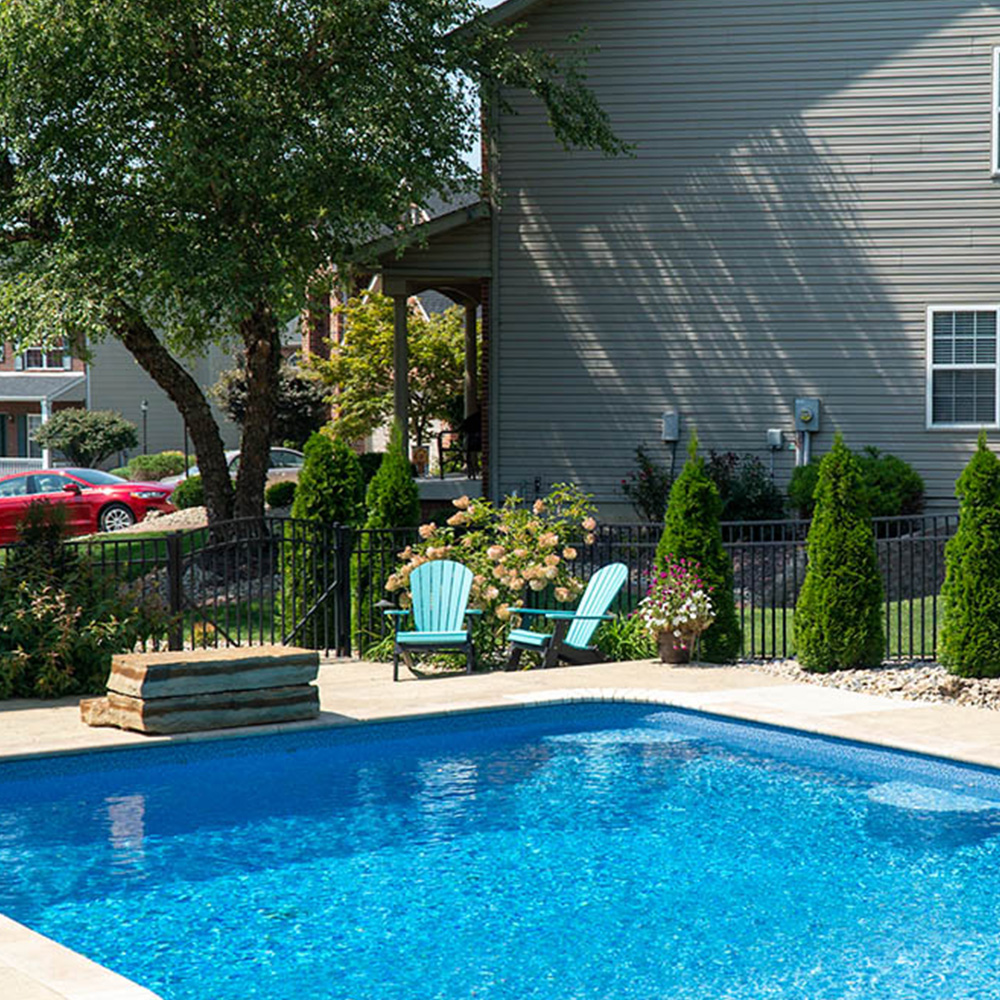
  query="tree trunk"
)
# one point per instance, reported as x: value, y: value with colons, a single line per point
x: 143, y: 344
x: 263, y: 357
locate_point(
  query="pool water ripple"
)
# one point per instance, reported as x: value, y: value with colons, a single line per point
x: 560, y: 854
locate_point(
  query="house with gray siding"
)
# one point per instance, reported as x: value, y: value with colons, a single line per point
x: 812, y: 211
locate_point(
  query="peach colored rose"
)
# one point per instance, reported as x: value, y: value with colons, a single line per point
x: 552, y: 559
x: 456, y: 519
x: 589, y: 539
x: 537, y: 584
x: 588, y: 524
x: 538, y: 507
x: 551, y: 572
x: 549, y: 539
x: 569, y: 552
x: 426, y: 530
x: 491, y: 593
x: 496, y: 552
x: 462, y: 503
x: 562, y: 594
x: 503, y: 613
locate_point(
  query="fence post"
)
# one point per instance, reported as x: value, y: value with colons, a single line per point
x: 175, y: 591
x: 344, y: 540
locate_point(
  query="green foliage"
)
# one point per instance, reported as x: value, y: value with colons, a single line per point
x: 625, y: 638
x: 970, y: 634
x: 361, y: 368
x: 188, y: 493
x: 648, y: 487
x: 61, y: 617
x: 513, y: 550
x: 299, y: 404
x: 329, y: 491
x: 393, y: 500
x: 330, y: 485
x: 154, y: 467
x: 280, y: 494
x: 838, y: 617
x: 370, y: 462
x: 747, y: 491
x: 691, y: 530
x: 887, y: 486
x: 87, y: 437
x: 191, y: 168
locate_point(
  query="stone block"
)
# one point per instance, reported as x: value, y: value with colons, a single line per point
x: 203, y: 671
x: 193, y: 712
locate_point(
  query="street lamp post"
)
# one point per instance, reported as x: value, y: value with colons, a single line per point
x: 144, y: 407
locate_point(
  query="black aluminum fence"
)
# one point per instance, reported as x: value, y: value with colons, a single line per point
x: 769, y: 564
x: 281, y: 580
x: 243, y: 582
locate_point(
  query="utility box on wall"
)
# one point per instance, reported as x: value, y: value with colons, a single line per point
x: 671, y: 425
x: 807, y: 414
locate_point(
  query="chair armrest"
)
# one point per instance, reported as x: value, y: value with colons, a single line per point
x: 473, y: 611
x: 583, y: 618
x: 530, y: 611
x: 404, y: 611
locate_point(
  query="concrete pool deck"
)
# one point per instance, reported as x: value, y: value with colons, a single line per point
x: 34, y: 968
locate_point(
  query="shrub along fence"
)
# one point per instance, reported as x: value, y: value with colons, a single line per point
x: 229, y: 584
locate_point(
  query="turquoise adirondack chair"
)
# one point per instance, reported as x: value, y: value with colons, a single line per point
x: 440, y: 595
x: 572, y: 629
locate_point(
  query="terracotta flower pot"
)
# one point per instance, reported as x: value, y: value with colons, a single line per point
x: 671, y: 653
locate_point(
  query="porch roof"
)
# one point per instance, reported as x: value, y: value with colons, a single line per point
x: 36, y: 388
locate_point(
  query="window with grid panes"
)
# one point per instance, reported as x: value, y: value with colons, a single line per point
x: 963, y: 367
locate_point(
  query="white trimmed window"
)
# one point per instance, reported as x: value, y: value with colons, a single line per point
x: 962, y: 371
x: 55, y: 358
x: 995, y: 145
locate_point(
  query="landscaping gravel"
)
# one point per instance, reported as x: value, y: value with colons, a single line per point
x: 917, y: 682
x: 180, y: 520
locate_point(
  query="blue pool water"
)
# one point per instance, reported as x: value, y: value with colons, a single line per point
x: 611, y: 852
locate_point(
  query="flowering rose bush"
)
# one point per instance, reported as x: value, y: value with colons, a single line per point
x: 512, y: 550
x: 678, y: 602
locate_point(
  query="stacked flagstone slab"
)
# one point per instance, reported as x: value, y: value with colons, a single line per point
x: 185, y: 691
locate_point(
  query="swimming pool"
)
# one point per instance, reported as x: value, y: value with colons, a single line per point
x: 579, y: 851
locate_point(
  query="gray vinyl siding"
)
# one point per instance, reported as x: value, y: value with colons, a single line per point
x: 118, y: 383
x: 809, y: 178
x: 465, y: 250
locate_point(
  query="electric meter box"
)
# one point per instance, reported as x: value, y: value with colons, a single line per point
x: 807, y: 414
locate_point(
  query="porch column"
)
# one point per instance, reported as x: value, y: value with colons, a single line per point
x: 471, y: 386
x: 46, y: 411
x: 401, y: 369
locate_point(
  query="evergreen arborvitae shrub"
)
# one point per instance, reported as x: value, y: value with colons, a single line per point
x: 329, y: 492
x: 691, y: 530
x: 189, y: 492
x: 331, y: 487
x: 838, y: 617
x: 970, y: 634
x: 393, y: 501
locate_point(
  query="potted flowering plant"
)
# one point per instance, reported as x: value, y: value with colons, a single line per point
x: 677, y: 608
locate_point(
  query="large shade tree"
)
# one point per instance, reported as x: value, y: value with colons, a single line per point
x: 173, y: 174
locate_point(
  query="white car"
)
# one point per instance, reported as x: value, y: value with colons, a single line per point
x: 284, y: 464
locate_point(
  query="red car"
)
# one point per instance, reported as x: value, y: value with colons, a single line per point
x: 93, y: 500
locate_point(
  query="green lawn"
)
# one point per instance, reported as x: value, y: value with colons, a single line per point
x: 910, y: 626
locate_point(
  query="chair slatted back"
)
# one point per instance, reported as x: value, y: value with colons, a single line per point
x: 601, y: 591
x: 440, y: 592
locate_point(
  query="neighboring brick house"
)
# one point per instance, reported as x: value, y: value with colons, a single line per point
x: 36, y: 382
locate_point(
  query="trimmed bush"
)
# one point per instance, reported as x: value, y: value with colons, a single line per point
x: 87, y: 437
x: 280, y: 494
x: 691, y: 529
x: 330, y: 484
x: 970, y: 634
x: 838, y: 617
x: 329, y: 492
x: 188, y: 493
x: 154, y: 467
x: 887, y: 485
x: 393, y: 500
